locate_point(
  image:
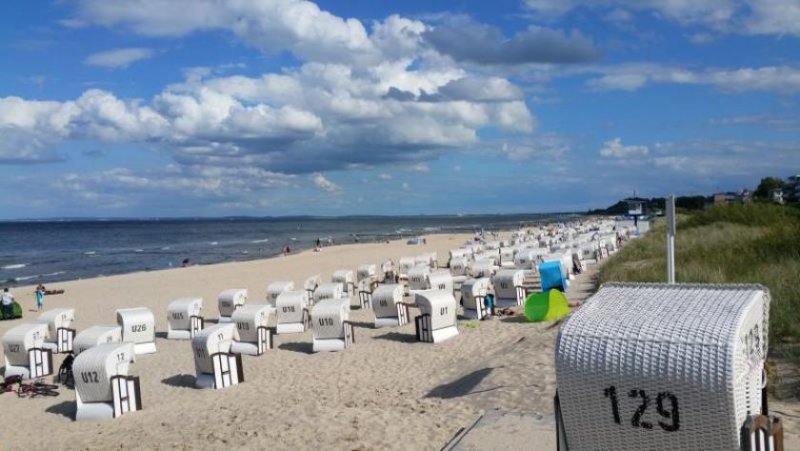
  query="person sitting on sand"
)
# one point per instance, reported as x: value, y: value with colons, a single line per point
x: 7, y: 304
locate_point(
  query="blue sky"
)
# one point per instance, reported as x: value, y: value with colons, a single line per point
x: 267, y: 107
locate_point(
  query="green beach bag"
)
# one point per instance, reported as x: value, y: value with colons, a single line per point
x: 17, y: 310
x: 548, y: 306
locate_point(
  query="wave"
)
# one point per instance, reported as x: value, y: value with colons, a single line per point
x: 24, y: 278
x: 89, y: 253
x: 260, y: 241
x: 139, y: 250
x: 214, y: 243
x: 15, y: 266
x: 166, y: 248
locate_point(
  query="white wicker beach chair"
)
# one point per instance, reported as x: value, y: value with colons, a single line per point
x: 228, y: 301
x: 23, y: 351
x: 330, y: 325
x: 138, y: 327
x: 59, y: 328
x: 276, y: 288
x: 508, y: 289
x: 388, y: 306
x: 184, y: 318
x: 473, y: 298
x: 437, y: 319
x: 346, y: 278
x: 252, y: 323
x: 215, y: 365
x: 103, y: 388
x: 96, y: 335
x: 292, y: 311
x: 662, y: 367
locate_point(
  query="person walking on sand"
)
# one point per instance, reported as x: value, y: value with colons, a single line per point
x: 39, y: 298
x: 7, y: 304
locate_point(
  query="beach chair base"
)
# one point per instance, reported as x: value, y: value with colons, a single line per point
x: 426, y: 335
x: 144, y: 348
x: 264, y: 343
x: 762, y: 433
x: 336, y: 344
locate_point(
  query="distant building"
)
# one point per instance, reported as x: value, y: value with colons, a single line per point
x: 746, y: 196
x: 725, y: 198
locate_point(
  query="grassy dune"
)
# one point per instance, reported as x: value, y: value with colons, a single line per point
x: 757, y: 243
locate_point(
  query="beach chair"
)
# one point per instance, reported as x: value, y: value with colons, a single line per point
x: 292, y: 311
x: 215, y: 365
x: 482, y: 268
x: 311, y: 284
x: 662, y: 367
x: 228, y: 301
x: 24, y: 353
x: 347, y: 279
x: 138, y: 327
x: 184, y: 318
x: 103, y: 388
x: 388, y: 306
x: 252, y: 324
x: 332, y: 290
x: 61, y: 335
x: 404, y: 265
x: 437, y: 319
x: 440, y: 279
x: 508, y: 289
x: 473, y: 298
x: 418, y: 278
x: 330, y: 325
x: 96, y: 335
x: 276, y: 288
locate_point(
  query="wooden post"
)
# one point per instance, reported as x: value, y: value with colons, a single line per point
x: 671, y: 239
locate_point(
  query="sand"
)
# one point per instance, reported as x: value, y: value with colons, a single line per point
x: 387, y: 392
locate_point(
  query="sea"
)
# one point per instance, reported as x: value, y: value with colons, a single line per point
x: 46, y: 251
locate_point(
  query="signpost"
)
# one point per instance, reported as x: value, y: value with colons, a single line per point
x: 671, y: 239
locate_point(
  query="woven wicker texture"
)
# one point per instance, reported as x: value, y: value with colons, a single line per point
x: 418, y: 277
x: 328, y: 317
x: 441, y: 305
x: 211, y: 340
x: 385, y: 299
x: 138, y: 325
x: 366, y: 272
x: 248, y: 318
x: 332, y: 290
x: 19, y: 339
x: 506, y: 281
x: 181, y: 310
x: 290, y: 306
x: 482, y: 268
x: 276, y: 288
x: 57, y: 318
x: 654, y: 366
x: 95, y: 335
x: 471, y: 289
x: 94, y: 368
x: 405, y: 264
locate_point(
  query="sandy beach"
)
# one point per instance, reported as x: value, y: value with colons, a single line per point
x: 387, y: 392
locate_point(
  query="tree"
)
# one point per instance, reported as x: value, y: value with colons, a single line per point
x: 768, y: 184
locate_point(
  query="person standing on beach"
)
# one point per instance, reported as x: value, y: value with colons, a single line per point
x: 40, y: 298
x: 7, y: 304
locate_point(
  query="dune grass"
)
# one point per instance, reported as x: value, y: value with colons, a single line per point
x: 757, y: 243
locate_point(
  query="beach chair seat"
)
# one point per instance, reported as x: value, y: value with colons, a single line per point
x: 473, y: 298
x: 311, y: 284
x: 508, y: 288
x: 346, y: 278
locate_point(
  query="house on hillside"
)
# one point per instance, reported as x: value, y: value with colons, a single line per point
x: 745, y: 196
x: 776, y: 195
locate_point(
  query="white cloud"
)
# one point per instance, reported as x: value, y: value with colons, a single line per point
x: 615, y: 149
x: 322, y: 183
x: 119, y: 58
x: 420, y: 167
x: 384, y: 176
x: 730, y: 16
x: 456, y: 168
x: 405, y: 186
x: 633, y: 76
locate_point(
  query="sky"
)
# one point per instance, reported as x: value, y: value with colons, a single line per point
x: 165, y: 108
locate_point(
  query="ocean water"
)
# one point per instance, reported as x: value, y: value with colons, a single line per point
x: 51, y: 251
